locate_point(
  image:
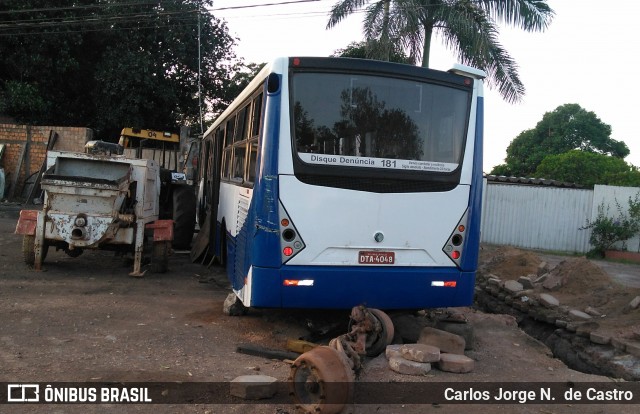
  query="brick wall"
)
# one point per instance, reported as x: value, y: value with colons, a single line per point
x: 35, y: 139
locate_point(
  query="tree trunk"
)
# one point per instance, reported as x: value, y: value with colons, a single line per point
x: 426, y: 49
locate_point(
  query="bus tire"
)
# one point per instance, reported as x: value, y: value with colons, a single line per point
x: 184, y: 216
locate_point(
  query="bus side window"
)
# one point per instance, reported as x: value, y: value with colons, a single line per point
x: 253, y: 157
x: 226, y: 163
x: 257, y: 116
x: 239, y: 156
x: 230, y: 131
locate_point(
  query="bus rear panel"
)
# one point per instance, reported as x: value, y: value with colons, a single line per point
x: 360, y: 183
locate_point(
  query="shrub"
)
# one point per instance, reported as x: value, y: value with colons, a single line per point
x: 607, y: 230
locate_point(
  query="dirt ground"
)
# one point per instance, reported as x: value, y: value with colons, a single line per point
x: 85, y: 319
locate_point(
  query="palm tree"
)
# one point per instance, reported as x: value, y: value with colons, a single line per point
x: 469, y: 27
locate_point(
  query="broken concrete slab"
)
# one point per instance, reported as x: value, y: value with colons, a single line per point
x: 455, y: 363
x: 512, y: 286
x: 404, y: 366
x: 420, y: 352
x: 393, y: 350
x: 599, y: 338
x: 541, y: 278
x: 577, y: 314
x: 592, y: 312
x: 526, y: 282
x: 445, y: 341
x: 543, y: 268
x: 549, y: 301
x: 253, y: 387
x: 553, y: 282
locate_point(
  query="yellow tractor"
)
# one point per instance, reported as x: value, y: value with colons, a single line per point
x: 177, y: 194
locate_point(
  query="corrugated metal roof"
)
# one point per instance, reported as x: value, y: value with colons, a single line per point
x: 501, y: 179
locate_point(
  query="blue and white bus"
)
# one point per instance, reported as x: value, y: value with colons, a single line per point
x: 334, y: 182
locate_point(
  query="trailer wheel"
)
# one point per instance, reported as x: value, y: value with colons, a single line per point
x: 73, y: 253
x: 160, y: 257
x: 184, y: 216
x: 29, y: 249
x: 321, y: 381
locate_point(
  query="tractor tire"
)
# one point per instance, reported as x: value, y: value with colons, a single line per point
x: 184, y: 216
x: 29, y: 249
x: 160, y: 257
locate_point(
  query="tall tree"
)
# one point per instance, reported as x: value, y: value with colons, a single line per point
x: 110, y: 64
x: 588, y: 169
x: 568, y: 127
x: 469, y: 27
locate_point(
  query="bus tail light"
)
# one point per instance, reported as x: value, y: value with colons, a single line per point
x: 290, y: 241
x: 454, y: 248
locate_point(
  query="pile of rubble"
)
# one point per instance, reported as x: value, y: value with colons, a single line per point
x: 575, y: 296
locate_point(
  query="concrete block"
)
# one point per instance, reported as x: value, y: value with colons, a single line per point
x: 592, y: 312
x: 541, y: 278
x: 253, y: 387
x: 393, y: 350
x: 403, y: 366
x: 543, y: 268
x: 455, y: 363
x: 553, y: 282
x: 420, y: 353
x: 599, y: 338
x: 576, y: 314
x: 512, y: 286
x: 526, y: 282
x: 445, y: 341
x: 549, y: 301
x: 635, y: 303
x: 493, y: 281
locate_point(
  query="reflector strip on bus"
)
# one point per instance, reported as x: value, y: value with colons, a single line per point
x: 304, y: 282
x: 440, y: 283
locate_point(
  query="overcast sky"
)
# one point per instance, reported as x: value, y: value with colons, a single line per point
x: 588, y: 56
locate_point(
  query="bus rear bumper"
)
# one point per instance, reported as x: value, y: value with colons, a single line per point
x: 337, y: 287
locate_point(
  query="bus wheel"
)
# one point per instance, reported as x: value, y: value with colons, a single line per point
x: 377, y: 341
x: 321, y: 381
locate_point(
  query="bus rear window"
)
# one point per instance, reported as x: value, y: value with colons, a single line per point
x: 378, y: 122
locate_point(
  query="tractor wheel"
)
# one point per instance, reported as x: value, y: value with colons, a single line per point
x: 321, y: 381
x: 29, y: 249
x: 184, y: 216
x: 160, y: 257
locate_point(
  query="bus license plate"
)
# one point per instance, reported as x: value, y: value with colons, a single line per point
x: 376, y: 258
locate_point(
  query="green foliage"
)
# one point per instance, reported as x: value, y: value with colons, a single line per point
x: 367, y: 50
x: 469, y: 28
x: 607, y: 230
x: 586, y: 168
x: 111, y: 64
x: 568, y: 127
